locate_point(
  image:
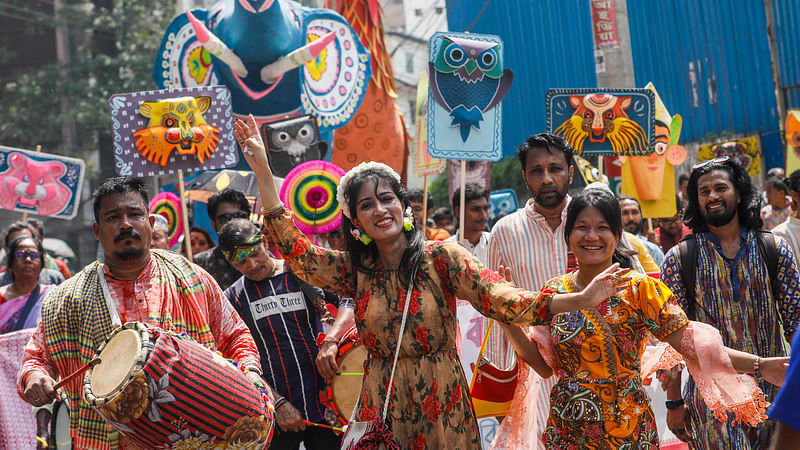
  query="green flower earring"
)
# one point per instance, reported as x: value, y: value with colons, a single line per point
x: 408, y: 219
x: 360, y: 236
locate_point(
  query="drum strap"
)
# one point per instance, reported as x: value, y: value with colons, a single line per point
x: 112, y: 309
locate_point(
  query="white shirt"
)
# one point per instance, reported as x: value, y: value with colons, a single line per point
x: 479, y: 250
x: 790, y: 231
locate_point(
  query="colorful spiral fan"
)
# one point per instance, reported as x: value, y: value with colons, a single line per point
x: 168, y: 205
x: 309, y: 190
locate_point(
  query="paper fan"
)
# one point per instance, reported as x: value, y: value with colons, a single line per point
x: 309, y: 190
x: 168, y: 205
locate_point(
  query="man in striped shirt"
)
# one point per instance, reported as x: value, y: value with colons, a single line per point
x: 530, y: 241
x: 283, y: 315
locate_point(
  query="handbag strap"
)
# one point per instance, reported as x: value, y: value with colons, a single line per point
x: 480, y: 354
x: 397, y: 351
x: 112, y: 310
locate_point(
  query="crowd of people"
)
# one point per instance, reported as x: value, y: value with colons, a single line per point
x: 584, y: 289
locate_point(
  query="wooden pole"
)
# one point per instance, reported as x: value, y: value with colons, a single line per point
x: 424, y: 205
x: 461, y: 202
x: 187, y: 240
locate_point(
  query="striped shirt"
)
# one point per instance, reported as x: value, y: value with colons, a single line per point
x: 535, y: 253
x: 284, y: 324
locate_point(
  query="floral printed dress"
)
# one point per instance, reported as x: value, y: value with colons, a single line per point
x: 430, y: 405
x: 599, y: 402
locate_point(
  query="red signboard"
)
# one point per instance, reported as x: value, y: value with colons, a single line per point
x: 604, y: 23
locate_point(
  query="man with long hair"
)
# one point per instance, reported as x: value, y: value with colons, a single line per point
x: 733, y: 290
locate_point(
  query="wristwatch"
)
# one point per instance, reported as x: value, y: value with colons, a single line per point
x: 672, y: 404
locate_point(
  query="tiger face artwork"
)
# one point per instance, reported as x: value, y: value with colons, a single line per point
x: 176, y: 124
x: 604, y: 118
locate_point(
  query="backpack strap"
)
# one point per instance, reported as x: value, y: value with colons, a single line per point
x: 769, y: 251
x: 687, y: 251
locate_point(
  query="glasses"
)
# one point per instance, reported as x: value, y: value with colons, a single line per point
x: 32, y: 254
x: 719, y: 160
x: 227, y: 217
x: 336, y: 234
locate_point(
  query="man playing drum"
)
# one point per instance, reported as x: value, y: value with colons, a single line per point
x: 285, y: 322
x: 155, y: 287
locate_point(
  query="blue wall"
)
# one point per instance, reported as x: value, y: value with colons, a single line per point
x: 548, y: 44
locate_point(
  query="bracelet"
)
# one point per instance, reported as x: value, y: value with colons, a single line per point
x: 329, y: 340
x: 672, y: 404
x: 756, y: 367
x: 280, y: 402
x: 273, y: 210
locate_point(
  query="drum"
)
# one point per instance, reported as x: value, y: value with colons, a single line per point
x: 161, y: 390
x: 343, y: 390
x: 59, y: 426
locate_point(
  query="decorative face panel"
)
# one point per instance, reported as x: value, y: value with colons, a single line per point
x: 162, y: 132
x: 792, y: 140
x: 176, y: 124
x: 293, y: 142
x: 746, y: 151
x: 503, y: 201
x: 610, y: 121
x: 40, y: 183
x: 467, y: 83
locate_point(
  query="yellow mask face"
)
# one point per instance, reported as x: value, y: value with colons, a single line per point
x: 176, y: 124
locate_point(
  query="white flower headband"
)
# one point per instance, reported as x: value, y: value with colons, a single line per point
x: 355, y: 171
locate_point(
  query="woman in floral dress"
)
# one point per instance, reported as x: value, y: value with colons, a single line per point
x: 430, y: 405
x: 599, y: 401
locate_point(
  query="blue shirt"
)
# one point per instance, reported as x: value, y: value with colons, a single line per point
x: 281, y: 316
x: 784, y: 409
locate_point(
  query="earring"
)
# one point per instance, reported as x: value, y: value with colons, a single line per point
x: 360, y: 236
x: 408, y: 219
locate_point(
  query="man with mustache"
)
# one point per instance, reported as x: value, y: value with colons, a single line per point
x: 476, y: 218
x: 156, y: 287
x: 733, y: 290
x: 632, y: 222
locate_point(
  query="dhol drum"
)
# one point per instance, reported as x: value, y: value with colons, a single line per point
x: 161, y: 389
x: 344, y: 389
x: 59, y: 426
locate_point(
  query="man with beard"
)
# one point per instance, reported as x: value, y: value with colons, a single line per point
x: 632, y: 222
x: 530, y: 242
x: 156, y: 287
x: 734, y: 290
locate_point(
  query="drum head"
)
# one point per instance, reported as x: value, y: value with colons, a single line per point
x: 59, y: 426
x: 346, y: 388
x: 118, y: 356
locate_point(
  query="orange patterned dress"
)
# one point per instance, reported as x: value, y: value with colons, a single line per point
x: 599, y: 402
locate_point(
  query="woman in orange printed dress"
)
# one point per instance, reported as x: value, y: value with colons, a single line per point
x: 430, y: 405
x: 599, y: 401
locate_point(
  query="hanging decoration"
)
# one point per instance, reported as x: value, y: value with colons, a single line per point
x: 309, y: 190
x: 168, y: 205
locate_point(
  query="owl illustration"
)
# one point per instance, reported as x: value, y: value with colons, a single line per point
x: 468, y: 79
x: 293, y: 142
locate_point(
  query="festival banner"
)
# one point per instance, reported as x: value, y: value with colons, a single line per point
x: 792, y: 141
x: 467, y: 84
x: 424, y: 164
x: 603, y: 121
x: 40, y: 183
x: 166, y: 131
x: 502, y: 201
x: 746, y: 151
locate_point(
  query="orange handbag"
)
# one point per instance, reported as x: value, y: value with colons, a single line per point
x: 492, y: 388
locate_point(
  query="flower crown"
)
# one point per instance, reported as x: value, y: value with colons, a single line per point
x: 354, y: 172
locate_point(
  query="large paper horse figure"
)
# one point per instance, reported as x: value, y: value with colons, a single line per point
x: 254, y: 46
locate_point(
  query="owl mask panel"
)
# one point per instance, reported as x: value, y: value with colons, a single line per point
x: 292, y: 142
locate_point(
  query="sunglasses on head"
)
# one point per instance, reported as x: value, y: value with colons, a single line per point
x: 32, y: 254
x: 721, y: 159
x: 242, y: 251
x: 227, y: 217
